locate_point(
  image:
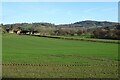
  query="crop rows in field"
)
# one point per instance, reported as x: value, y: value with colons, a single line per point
x: 38, y: 57
x: 58, y: 65
x: 61, y: 70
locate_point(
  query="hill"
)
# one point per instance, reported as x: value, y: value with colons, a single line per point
x: 96, y: 29
x: 90, y: 24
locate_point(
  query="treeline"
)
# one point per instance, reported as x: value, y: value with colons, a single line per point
x: 42, y: 29
x: 106, y: 32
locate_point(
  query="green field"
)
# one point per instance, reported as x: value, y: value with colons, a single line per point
x: 30, y: 56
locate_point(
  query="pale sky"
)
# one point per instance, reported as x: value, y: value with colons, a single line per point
x: 58, y: 12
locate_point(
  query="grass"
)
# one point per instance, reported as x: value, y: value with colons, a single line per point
x: 86, y: 39
x: 72, y: 55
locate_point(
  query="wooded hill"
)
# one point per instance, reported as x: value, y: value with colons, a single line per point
x: 96, y: 29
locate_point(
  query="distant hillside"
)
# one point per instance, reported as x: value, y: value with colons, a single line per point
x: 81, y: 24
x: 93, y: 24
x: 92, y: 29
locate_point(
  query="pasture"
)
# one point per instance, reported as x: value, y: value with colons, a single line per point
x: 38, y: 57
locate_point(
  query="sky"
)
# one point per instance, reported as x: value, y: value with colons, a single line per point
x: 58, y: 12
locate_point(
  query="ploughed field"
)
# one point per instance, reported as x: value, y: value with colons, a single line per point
x: 38, y: 57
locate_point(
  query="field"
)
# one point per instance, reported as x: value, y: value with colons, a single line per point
x: 38, y: 57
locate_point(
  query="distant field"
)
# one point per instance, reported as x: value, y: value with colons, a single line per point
x: 83, y: 39
x: 30, y: 56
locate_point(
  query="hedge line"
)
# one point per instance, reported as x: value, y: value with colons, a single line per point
x: 79, y: 39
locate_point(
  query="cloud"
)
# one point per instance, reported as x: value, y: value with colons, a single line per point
x: 109, y: 9
x: 100, y: 10
x: 53, y: 11
x: 90, y: 10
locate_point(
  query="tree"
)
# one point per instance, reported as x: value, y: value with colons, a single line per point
x: 79, y: 32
